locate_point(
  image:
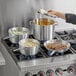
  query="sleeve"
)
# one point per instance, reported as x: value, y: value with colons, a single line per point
x: 70, y: 18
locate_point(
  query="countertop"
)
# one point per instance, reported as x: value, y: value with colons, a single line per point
x: 2, y: 59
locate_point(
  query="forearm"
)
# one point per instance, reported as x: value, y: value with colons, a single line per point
x: 70, y: 18
x: 58, y: 14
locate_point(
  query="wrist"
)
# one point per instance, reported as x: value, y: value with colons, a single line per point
x: 60, y: 15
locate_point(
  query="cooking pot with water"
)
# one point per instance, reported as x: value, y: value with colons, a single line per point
x: 43, y: 28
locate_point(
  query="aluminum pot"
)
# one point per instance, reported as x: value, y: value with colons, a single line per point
x: 29, y: 46
x: 18, y: 33
x: 43, y: 28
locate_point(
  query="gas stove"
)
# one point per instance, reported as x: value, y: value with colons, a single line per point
x: 43, y: 63
x: 43, y: 52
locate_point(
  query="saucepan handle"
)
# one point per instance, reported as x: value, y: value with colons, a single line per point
x: 53, y: 16
x: 52, y: 53
x: 17, y: 49
x: 44, y: 12
x: 31, y: 26
x: 56, y: 23
x: 7, y: 37
x: 31, y: 22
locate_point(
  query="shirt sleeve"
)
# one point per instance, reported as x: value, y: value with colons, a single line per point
x: 70, y: 18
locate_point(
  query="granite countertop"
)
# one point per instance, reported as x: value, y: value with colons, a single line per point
x: 2, y: 59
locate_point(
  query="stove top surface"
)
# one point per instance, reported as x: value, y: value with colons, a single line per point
x: 43, y: 61
x: 69, y: 35
x: 43, y: 52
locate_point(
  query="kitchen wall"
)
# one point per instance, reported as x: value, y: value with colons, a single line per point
x: 12, y: 12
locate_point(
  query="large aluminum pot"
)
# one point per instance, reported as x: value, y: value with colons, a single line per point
x: 18, y: 33
x: 29, y: 46
x: 43, y: 28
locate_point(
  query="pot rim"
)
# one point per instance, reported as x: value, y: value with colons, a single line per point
x: 34, y: 40
x: 24, y: 29
x: 62, y: 41
x: 33, y: 21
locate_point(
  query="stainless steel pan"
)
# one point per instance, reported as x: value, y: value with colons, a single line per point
x: 59, y: 41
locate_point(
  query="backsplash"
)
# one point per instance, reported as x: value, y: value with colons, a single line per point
x: 12, y: 12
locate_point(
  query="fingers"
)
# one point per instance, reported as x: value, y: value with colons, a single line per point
x: 57, y: 13
x: 50, y: 10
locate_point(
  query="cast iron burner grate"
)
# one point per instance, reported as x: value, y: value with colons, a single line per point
x: 22, y: 57
x: 69, y: 36
x: 43, y: 52
x: 10, y: 44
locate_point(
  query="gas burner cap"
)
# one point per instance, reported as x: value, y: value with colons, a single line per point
x: 54, y: 54
x: 26, y: 57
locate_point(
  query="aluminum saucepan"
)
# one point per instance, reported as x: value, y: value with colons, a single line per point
x: 55, y: 45
x: 43, y: 28
x: 29, y: 46
x: 18, y: 33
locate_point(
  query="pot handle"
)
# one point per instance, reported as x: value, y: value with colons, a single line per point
x: 52, y: 53
x: 31, y: 23
x: 44, y: 12
x: 17, y: 49
x: 7, y: 37
x: 56, y: 23
x: 31, y: 26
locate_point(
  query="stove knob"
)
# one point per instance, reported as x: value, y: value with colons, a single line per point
x: 71, y: 69
x: 59, y: 71
x: 41, y: 73
x: 50, y: 72
x: 28, y: 74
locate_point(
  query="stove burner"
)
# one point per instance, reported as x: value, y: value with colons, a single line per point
x: 24, y: 57
x: 58, y: 54
x: 43, y: 52
x: 9, y: 43
x: 69, y: 37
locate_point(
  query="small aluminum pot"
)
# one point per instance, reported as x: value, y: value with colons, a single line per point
x: 29, y: 46
x: 43, y: 28
x: 18, y: 33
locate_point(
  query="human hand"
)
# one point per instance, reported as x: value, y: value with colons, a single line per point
x: 56, y: 13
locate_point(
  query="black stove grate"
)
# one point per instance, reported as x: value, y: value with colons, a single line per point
x: 56, y: 53
x: 22, y: 57
x: 68, y: 35
x: 43, y: 53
